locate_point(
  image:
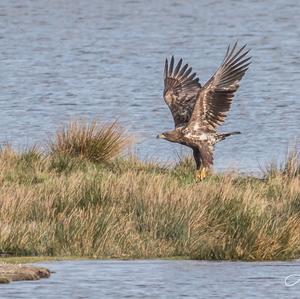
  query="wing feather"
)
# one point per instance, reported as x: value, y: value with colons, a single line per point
x: 177, y: 67
x: 181, y: 89
x: 215, y: 97
x: 171, y: 66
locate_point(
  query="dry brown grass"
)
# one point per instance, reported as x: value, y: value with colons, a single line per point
x: 64, y: 205
x: 289, y: 168
x: 91, y: 141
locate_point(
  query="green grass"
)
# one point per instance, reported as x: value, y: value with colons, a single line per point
x: 37, y: 259
x: 65, y: 203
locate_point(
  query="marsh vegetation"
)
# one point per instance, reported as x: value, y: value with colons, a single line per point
x: 82, y: 197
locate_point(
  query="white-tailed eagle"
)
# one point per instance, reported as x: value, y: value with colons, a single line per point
x: 198, y: 110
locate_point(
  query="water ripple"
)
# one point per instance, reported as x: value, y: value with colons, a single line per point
x: 105, y: 60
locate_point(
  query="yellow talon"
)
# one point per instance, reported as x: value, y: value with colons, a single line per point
x: 201, y: 174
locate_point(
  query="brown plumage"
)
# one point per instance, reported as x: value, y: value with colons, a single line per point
x: 197, y: 111
x: 181, y: 88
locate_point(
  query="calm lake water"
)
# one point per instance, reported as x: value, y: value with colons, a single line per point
x: 160, y: 279
x: 62, y: 60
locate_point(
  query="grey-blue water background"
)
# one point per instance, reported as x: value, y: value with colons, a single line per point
x: 160, y: 279
x: 63, y: 60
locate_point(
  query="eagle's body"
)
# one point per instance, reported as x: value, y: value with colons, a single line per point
x: 197, y: 110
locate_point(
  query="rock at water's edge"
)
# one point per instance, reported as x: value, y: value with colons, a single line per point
x: 10, y: 272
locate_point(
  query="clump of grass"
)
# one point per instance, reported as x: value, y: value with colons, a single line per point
x: 22, y: 167
x: 290, y: 168
x: 90, y: 141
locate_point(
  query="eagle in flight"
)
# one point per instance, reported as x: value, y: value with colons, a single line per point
x: 198, y: 110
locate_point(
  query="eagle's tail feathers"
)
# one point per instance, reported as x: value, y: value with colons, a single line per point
x: 222, y: 136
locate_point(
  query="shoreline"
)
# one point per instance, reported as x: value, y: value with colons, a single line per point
x: 28, y: 260
x: 20, y: 268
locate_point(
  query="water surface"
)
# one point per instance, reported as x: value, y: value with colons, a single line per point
x: 160, y: 279
x: 62, y: 60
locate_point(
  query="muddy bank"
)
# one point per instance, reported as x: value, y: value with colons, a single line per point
x: 9, y: 272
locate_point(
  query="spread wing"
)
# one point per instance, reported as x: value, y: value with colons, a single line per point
x: 215, y: 97
x: 181, y: 88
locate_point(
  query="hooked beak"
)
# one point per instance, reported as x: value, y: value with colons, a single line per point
x: 161, y: 136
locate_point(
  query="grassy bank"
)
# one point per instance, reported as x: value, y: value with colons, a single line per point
x: 65, y: 202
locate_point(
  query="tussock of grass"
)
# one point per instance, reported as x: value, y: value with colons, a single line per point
x: 91, y: 141
x: 289, y: 168
x: 59, y: 204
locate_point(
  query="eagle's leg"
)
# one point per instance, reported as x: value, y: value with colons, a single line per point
x: 202, y: 173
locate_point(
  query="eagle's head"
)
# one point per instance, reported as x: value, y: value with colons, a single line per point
x: 173, y: 136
